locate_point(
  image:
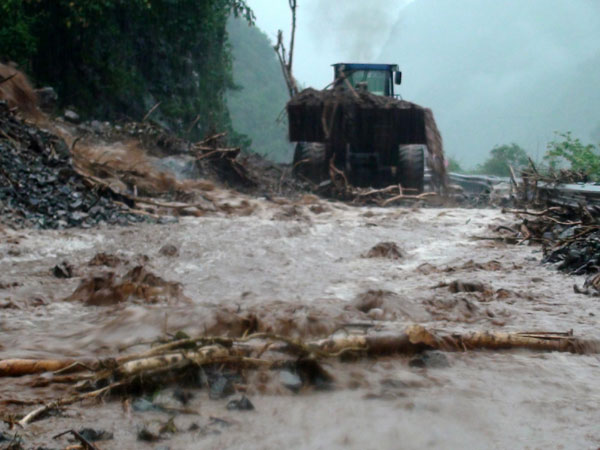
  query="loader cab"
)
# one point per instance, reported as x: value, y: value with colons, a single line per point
x: 379, y: 79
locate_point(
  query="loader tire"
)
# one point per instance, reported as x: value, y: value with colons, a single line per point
x: 411, y: 168
x: 310, y: 161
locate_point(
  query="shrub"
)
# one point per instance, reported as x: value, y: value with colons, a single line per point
x: 502, y: 158
x: 572, y: 153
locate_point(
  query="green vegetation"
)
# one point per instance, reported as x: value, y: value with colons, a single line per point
x: 118, y: 58
x: 502, y: 158
x: 454, y: 165
x: 573, y: 153
x: 256, y: 107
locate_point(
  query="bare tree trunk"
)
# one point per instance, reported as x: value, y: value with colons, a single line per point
x: 293, y: 36
x: 285, y: 58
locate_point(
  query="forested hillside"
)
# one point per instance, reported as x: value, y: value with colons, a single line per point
x: 117, y: 59
x: 258, y: 102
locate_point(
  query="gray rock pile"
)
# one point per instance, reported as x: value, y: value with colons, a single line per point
x: 39, y: 186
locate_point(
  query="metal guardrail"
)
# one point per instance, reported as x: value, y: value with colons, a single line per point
x: 566, y: 194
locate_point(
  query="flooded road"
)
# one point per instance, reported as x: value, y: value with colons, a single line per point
x: 302, y: 270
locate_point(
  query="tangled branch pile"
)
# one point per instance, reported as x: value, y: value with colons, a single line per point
x: 568, y: 228
x: 181, y: 358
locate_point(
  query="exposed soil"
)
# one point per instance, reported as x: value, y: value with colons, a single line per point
x: 299, y: 268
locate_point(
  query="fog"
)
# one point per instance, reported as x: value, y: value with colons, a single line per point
x: 497, y: 72
x: 353, y: 29
x: 327, y: 32
x: 494, y: 72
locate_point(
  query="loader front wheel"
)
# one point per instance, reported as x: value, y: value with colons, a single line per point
x: 411, y: 168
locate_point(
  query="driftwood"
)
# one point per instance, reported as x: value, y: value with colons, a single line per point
x: 96, y: 182
x: 423, y: 196
x: 149, y: 113
x: 222, y: 152
x: 274, y: 351
x: 87, y: 445
x: 19, y: 367
x: 214, y: 349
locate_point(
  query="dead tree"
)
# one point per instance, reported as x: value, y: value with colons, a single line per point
x: 286, y: 58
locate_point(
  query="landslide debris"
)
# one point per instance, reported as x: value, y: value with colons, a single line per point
x: 567, y: 227
x: 138, y: 284
x: 39, y: 186
x: 389, y: 250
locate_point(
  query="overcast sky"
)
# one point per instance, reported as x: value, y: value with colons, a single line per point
x: 327, y: 32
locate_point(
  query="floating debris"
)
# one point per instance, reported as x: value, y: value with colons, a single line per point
x: 389, y: 250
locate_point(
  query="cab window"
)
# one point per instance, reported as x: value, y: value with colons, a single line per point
x: 377, y: 80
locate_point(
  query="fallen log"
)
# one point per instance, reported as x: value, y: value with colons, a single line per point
x: 417, y: 338
x: 262, y: 349
x: 211, y: 353
x: 214, y: 349
x: 20, y: 367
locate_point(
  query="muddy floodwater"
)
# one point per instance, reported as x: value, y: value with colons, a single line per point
x: 302, y: 270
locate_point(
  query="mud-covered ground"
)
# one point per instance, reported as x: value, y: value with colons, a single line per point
x: 301, y: 269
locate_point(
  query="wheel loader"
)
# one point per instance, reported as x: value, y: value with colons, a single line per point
x: 362, y: 129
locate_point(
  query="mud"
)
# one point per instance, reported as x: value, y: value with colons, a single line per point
x: 299, y: 269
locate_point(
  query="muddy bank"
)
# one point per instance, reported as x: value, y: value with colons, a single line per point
x: 304, y: 270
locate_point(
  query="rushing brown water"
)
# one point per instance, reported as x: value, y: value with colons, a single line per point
x: 301, y: 270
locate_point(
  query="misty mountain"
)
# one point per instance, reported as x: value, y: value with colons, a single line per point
x: 261, y: 95
x: 496, y: 72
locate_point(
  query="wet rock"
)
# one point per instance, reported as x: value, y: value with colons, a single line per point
x: 430, y: 360
x: 243, y: 404
x: 221, y: 387
x: 467, y: 286
x: 312, y: 373
x: 389, y: 250
x: 92, y: 435
x: 98, y: 127
x: 369, y: 300
x: 47, y: 98
x: 182, y: 166
x: 221, y: 422
x: 63, y: 270
x: 182, y: 396
x: 290, y: 380
x: 568, y: 233
x: 169, y: 250
x: 137, y: 284
x: 39, y: 186
x: 71, y: 116
x: 144, y: 434
x: 105, y: 259
x: 14, y: 442
x: 145, y: 405
x: 393, y: 383
x: 376, y: 314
